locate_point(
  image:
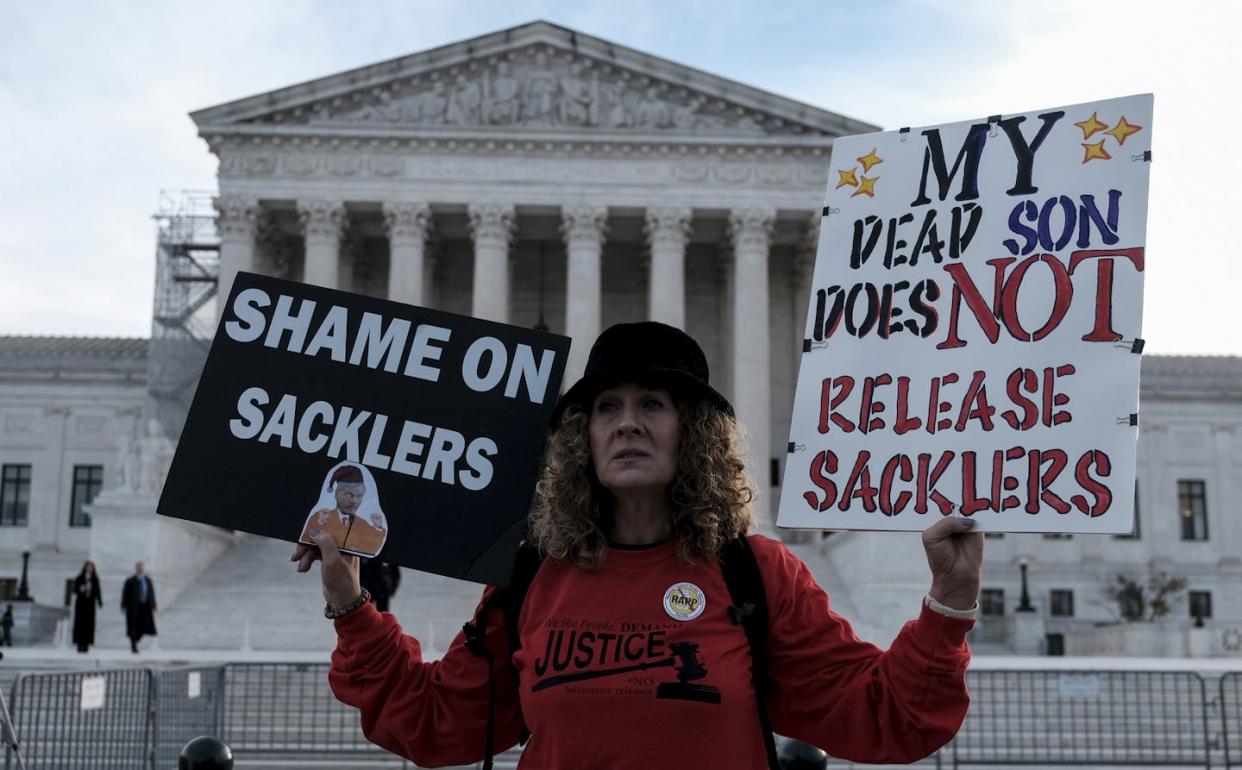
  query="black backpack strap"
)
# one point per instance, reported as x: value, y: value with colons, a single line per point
x: 509, y: 601
x: 750, y: 611
x: 475, y: 632
x: 528, y: 562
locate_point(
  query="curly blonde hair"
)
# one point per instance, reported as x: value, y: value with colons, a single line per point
x: 711, y: 493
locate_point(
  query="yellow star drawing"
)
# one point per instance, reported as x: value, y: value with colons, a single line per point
x: 866, y: 187
x: 1094, y: 151
x: 869, y: 160
x: 1091, y: 125
x: 847, y: 178
x: 1123, y: 129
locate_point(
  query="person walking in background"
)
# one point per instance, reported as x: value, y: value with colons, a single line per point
x: 6, y: 627
x: 381, y: 579
x: 138, y: 605
x: 86, y: 596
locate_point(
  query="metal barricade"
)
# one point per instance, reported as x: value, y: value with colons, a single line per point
x: 1084, y: 718
x: 96, y: 720
x: 135, y: 719
x: 288, y: 707
x: 189, y: 702
x: 1231, y: 717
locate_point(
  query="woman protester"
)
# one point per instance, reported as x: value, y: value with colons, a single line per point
x: 86, y: 597
x: 629, y: 652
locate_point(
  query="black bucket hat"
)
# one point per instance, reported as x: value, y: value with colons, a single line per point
x: 648, y: 353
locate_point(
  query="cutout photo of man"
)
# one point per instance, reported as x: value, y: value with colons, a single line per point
x: 348, y: 509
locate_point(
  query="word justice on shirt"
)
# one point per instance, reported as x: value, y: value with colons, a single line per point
x: 1011, y: 477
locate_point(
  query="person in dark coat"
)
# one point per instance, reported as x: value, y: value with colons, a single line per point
x: 6, y: 627
x: 138, y: 605
x: 86, y: 596
x: 381, y: 579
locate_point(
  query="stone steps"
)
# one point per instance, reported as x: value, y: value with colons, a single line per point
x: 253, y: 598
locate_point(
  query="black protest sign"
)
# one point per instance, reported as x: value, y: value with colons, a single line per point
x: 409, y: 434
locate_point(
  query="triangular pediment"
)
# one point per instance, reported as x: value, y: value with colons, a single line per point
x: 535, y: 78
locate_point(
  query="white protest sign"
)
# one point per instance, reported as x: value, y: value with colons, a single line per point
x: 970, y: 343
x: 94, y: 690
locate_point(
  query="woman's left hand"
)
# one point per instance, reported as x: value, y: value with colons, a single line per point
x: 955, y: 555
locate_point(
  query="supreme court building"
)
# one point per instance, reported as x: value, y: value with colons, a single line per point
x: 542, y: 177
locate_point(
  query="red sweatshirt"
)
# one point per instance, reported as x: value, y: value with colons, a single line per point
x: 639, y: 665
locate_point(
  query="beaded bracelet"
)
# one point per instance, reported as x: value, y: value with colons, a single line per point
x: 333, y: 614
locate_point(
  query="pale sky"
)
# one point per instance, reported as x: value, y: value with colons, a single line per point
x: 94, y: 100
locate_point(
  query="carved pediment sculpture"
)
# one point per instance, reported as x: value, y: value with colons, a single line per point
x: 539, y: 88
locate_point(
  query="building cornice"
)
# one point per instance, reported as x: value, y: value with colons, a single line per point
x: 224, y: 139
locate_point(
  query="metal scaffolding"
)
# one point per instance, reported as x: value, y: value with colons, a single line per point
x: 187, y: 268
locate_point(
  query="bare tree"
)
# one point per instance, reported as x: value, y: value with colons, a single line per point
x: 1145, y: 601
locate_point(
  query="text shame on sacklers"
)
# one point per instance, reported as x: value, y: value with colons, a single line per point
x: 379, y: 343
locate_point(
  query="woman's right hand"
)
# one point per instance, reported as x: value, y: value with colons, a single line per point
x: 339, y: 571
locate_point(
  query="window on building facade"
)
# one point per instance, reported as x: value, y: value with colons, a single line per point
x: 992, y: 601
x: 1062, y: 603
x: 87, y: 481
x: 1192, y: 505
x: 1134, y: 533
x: 1054, y: 644
x: 1200, y: 604
x: 14, y: 495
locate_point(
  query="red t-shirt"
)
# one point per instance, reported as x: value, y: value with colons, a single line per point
x: 639, y: 665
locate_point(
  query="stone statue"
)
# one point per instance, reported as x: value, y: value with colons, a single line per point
x: 684, y: 116
x: 156, y: 453
x: 547, y: 89
x: 502, y: 102
x: 390, y: 109
x: 652, y: 112
x: 577, y: 102
x: 539, y: 94
x: 129, y: 465
x: 386, y: 109
x: 614, y: 112
x: 465, y: 106
x: 430, y: 105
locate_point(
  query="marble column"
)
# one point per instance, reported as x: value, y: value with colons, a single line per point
x: 1163, y: 533
x: 431, y: 260
x: 237, y: 222
x: 667, y: 230
x: 802, y: 275
x: 49, y: 485
x: 491, y: 226
x: 409, y: 223
x: 323, y: 222
x: 583, y: 226
x: 750, y: 230
x: 1225, y: 499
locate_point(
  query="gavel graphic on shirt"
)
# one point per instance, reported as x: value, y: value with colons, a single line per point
x: 685, y: 659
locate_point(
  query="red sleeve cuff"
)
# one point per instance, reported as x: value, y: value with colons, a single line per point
x: 361, y: 623
x: 940, y: 635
